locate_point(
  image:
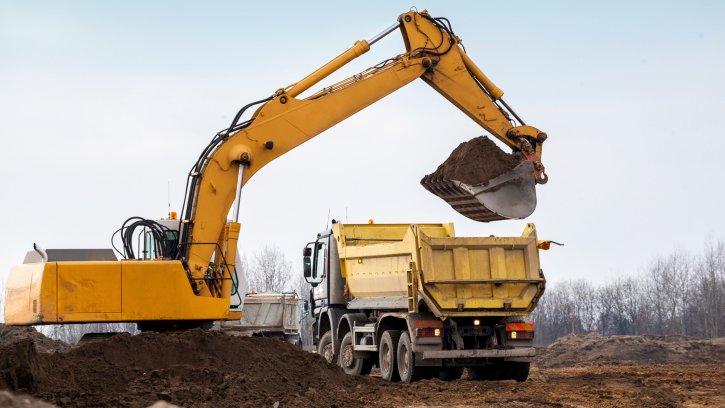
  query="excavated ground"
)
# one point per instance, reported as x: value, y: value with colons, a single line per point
x: 212, y: 369
x: 475, y: 162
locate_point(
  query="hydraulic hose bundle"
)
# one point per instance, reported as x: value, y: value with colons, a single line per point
x: 164, y: 239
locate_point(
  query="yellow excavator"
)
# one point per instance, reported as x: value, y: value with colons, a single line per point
x: 186, y: 275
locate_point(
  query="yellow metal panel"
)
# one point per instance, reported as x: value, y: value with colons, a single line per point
x: 378, y: 276
x: 94, y: 291
x: 482, y: 270
x: 462, y: 268
x: 30, y: 294
x: 83, y: 289
x: 160, y: 290
x: 506, y: 267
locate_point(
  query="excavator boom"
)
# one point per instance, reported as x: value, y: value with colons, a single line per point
x: 196, y: 284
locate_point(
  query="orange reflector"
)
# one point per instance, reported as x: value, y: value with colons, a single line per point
x: 519, y: 327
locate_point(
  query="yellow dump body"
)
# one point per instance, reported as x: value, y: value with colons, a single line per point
x: 401, y: 264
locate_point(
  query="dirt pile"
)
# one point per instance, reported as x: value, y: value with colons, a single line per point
x: 193, y: 368
x: 10, y: 400
x: 596, y: 348
x: 475, y: 162
x: 13, y: 334
x: 212, y: 369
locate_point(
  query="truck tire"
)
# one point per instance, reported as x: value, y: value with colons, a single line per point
x: 386, y: 355
x: 519, y: 370
x: 485, y: 373
x: 509, y: 370
x: 325, y: 348
x: 450, y: 373
x: 347, y: 360
x: 407, y: 369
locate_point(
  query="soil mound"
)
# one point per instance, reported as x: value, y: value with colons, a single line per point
x: 192, y: 368
x: 13, y: 334
x: 596, y: 348
x: 475, y: 162
x: 10, y: 400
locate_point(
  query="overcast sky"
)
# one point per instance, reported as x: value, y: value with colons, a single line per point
x: 102, y: 104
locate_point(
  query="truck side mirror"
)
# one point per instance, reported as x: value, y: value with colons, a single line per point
x: 307, y: 262
x: 307, y: 266
x: 306, y: 305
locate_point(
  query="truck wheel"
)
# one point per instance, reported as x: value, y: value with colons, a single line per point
x: 407, y: 369
x: 325, y: 348
x: 450, y: 373
x: 347, y: 360
x: 487, y: 373
x: 387, y: 352
x: 519, y: 371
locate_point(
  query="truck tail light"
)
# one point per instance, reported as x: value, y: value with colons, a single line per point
x: 519, y: 331
x: 429, y: 332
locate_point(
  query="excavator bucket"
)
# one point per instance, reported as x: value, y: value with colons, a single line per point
x: 484, y: 183
x: 510, y: 195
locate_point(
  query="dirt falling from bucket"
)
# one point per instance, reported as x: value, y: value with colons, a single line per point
x: 475, y: 162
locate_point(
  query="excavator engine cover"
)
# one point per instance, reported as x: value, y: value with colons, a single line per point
x: 484, y: 183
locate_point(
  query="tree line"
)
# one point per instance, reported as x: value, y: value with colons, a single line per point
x: 676, y: 294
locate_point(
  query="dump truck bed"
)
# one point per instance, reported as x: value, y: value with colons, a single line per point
x: 401, y: 266
x: 270, y: 311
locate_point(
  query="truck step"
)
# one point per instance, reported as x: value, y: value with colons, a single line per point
x: 363, y: 329
x: 361, y: 347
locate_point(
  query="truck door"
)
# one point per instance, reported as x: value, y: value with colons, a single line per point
x: 321, y: 265
x: 315, y: 271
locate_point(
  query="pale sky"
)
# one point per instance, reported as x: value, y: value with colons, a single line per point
x: 104, y: 103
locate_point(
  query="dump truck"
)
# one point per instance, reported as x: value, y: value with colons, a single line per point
x: 419, y: 302
x: 269, y: 315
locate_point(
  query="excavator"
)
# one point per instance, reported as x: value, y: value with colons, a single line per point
x: 186, y: 276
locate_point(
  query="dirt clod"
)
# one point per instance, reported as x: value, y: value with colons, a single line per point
x: 475, y: 162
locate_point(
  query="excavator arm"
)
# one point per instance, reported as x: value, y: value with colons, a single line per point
x: 283, y: 122
x: 196, y: 283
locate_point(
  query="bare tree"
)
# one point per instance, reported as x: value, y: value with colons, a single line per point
x: 269, y: 271
x: 667, y: 291
x: 709, y: 285
x: 677, y: 294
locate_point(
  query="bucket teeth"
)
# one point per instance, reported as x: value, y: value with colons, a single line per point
x: 511, y: 195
